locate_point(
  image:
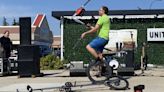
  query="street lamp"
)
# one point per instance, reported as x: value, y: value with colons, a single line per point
x: 153, y: 3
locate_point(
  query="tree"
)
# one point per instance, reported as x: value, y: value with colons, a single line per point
x: 15, y: 22
x: 5, y: 23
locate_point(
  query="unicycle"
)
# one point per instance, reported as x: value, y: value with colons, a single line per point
x: 101, y: 72
x: 98, y: 72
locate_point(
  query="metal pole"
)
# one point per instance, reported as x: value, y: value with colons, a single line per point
x: 62, y: 32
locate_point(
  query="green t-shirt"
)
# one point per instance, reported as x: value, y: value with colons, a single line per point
x: 104, y: 24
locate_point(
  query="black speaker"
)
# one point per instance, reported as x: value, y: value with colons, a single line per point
x: 77, y: 69
x: 28, y: 60
x: 28, y: 52
x: 129, y: 59
x: 78, y: 72
x: 124, y: 71
x: 25, y: 30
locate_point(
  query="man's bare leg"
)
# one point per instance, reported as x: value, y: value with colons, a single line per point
x: 92, y: 51
x: 100, y: 55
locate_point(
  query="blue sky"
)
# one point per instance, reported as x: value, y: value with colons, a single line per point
x: 17, y: 8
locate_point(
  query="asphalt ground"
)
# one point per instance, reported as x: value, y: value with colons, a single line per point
x: 153, y: 79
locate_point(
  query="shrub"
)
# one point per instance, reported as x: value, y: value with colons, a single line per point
x: 50, y: 62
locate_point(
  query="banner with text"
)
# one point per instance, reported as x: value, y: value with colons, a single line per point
x: 155, y: 34
x: 124, y: 38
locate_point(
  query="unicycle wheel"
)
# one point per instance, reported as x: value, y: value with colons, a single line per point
x: 117, y: 83
x: 98, y: 72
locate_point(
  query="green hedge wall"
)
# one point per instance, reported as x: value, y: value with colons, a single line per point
x: 155, y: 51
x: 73, y: 31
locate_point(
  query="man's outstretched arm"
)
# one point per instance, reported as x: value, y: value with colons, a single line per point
x: 93, y: 30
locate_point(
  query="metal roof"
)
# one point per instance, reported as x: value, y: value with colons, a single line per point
x: 58, y: 14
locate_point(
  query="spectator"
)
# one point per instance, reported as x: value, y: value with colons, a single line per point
x: 6, y: 44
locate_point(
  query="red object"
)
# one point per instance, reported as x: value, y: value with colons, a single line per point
x: 38, y: 20
x: 138, y: 90
x: 79, y: 11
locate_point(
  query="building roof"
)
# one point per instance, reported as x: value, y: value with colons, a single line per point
x: 41, y: 32
x: 15, y: 29
x: 38, y: 20
x: 58, y: 14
